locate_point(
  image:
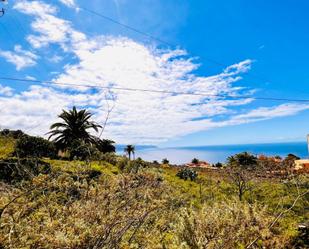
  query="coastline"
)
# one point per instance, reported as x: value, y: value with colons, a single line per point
x: 219, y: 153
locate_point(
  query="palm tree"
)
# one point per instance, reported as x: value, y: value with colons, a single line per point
x: 130, y: 149
x: 105, y: 145
x: 74, y: 127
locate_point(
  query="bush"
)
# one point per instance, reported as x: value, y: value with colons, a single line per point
x: 186, y: 174
x: 28, y: 146
x: 135, y: 165
x: 109, y: 157
x: 14, y: 170
x: 10, y: 133
x: 226, y: 225
x: 165, y: 161
x: 302, y: 239
x: 122, y: 163
x: 82, y: 151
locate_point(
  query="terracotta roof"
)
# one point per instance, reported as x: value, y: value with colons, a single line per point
x: 200, y: 164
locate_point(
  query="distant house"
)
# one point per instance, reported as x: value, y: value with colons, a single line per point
x: 302, y: 164
x: 200, y: 164
x: 266, y: 158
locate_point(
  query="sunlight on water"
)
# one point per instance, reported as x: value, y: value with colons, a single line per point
x: 215, y: 154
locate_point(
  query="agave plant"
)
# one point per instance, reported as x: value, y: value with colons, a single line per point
x: 75, y: 127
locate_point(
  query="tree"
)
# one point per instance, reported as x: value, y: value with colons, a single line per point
x: 165, y: 161
x: 81, y: 151
x: 75, y: 127
x: 195, y: 161
x: 106, y: 146
x: 218, y: 165
x: 241, y: 167
x: 244, y: 160
x: 241, y: 180
x: 12, y: 133
x: 130, y: 149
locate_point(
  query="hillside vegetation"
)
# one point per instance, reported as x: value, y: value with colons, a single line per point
x: 88, y: 197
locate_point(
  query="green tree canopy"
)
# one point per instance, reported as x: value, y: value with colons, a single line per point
x: 244, y: 160
x: 130, y: 149
x: 75, y: 127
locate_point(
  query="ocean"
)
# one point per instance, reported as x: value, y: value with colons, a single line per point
x: 219, y: 153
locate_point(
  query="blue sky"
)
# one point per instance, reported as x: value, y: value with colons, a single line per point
x: 261, y: 47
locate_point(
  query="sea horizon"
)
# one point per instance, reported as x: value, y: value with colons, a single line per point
x: 218, y: 153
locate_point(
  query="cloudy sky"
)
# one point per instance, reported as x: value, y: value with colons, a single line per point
x: 221, y: 48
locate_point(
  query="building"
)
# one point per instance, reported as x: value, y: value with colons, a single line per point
x: 200, y: 164
x: 302, y: 164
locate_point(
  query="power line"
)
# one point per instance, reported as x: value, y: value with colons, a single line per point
x: 127, y: 26
x: 204, y: 94
x: 252, y: 75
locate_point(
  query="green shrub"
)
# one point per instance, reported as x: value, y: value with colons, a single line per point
x: 302, y: 239
x: 226, y: 225
x: 122, y: 163
x: 14, y: 170
x: 82, y: 151
x: 187, y: 174
x: 93, y: 174
x: 11, y: 133
x: 108, y: 157
x: 28, y: 146
x: 218, y: 165
x: 135, y: 165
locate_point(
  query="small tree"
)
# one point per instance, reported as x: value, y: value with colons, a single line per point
x: 130, y: 149
x: 241, y: 180
x: 218, y: 165
x: 75, y: 126
x: 105, y: 146
x: 244, y: 159
x: 241, y: 167
x: 195, y: 161
x: 165, y: 161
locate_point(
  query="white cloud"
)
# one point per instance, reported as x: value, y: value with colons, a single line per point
x: 56, y: 59
x: 69, y: 3
x: 50, y: 29
x: 138, y: 117
x: 265, y: 113
x: 28, y: 77
x: 35, y: 109
x: 19, y: 57
x: 6, y: 91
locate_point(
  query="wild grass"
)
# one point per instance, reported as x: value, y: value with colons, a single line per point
x: 99, y: 204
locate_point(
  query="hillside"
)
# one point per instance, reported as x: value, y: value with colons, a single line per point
x: 114, y: 203
x: 6, y: 146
